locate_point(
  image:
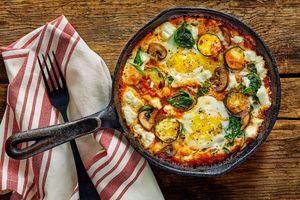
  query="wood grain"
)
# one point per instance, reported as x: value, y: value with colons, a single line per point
x: 107, y: 25
x: 273, y: 171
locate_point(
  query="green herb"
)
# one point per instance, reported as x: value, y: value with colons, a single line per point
x: 239, y: 86
x: 138, y: 68
x: 255, y: 99
x: 181, y: 100
x: 251, y: 108
x: 234, y: 129
x: 138, y: 57
x: 226, y: 150
x: 145, y: 107
x: 252, y: 67
x: 183, y: 37
x: 182, y: 132
x: 203, y: 90
x: 137, y: 62
x: 170, y: 79
x: 254, y: 85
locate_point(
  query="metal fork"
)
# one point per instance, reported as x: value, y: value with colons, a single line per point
x: 59, y: 97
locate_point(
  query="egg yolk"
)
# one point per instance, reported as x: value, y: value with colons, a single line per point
x: 205, y: 127
x: 187, y: 62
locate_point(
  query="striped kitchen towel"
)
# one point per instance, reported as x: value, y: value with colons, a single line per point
x: 115, y: 168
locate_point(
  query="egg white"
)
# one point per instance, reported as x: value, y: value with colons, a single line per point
x: 198, y: 75
x: 211, y: 107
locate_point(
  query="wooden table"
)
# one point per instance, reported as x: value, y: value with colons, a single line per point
x: 273, y: 172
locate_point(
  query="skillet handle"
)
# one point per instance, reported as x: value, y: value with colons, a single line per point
x: 49, y: 137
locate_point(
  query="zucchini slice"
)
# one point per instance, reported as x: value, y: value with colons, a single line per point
x: 156, y: 76
x: 235, y: 58
x: 167, y: 130
x: 236, y: 102
x: 209, y: 44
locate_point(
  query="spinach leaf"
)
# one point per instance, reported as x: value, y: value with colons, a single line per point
x: 226, y: 150
x: 138, y: 57
x: 203, y: 90
x: 252, y: 67
x: 181, y: 100
x: 170, y: 79
x: 183, y: 37
x: 234, y: 129
x: 254, y: 85
x: 145, y: 107
x: 137, y: 62
x: 239, y: 86
x: 182, y: 132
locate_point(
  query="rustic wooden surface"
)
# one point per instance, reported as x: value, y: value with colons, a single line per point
x: 273, y: 172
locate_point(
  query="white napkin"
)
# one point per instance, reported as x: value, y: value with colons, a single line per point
x: 115, y: 168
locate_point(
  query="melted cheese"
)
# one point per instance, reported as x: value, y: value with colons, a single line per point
x: 261, y: 70
x: 237, y: 39
x: 220, y: 36
x: 252, y: 129
x: 147, y: 137
x: 145, y: 57
x: 232, y: 81
x: 250, y: 55
x: 263, y: 96
x: 155, y: 102
x: 169, y: 109
x: 246, y: 81
x: 167, y: 30
x: 194, y: 31
x: 131, y: 99
x: 130, y: 115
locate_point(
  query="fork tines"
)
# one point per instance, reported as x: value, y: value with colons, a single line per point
x: 59, y: 83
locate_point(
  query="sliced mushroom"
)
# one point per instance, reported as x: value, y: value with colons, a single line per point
x: 147, y: 118
x: 157, y: 51
x: 220, y: 79
x: 245, y: 120
x: 167, y: 152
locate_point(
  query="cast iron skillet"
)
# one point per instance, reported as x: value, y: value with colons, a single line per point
x: 50, y: 137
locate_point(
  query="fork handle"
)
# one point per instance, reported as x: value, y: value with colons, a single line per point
x: 46, y: 138
x: 87, y: 190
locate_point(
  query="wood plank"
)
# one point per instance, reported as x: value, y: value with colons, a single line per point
x: 271, y: 173
x: 290, y: 99
x: 107, y: 25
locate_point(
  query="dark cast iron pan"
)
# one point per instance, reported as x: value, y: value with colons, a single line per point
x: 47, y: 138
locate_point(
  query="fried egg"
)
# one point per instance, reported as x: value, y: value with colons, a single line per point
x: 187, y: 68
x: 205, y: 124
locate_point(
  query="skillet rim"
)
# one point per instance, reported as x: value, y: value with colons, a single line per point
x: 225, y: 166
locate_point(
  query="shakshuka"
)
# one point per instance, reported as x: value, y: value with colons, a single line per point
x: 194, y: 91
